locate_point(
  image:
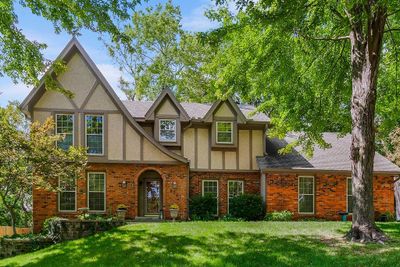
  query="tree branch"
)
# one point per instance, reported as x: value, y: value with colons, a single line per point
x: 392, y: 30
x: 338, y: 38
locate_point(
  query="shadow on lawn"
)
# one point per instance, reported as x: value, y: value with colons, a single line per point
x: 131, y: 247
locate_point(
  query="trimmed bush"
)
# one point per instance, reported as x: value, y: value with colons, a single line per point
x: 280, y: 216
x: 203, y: 207
x: 247, y: 207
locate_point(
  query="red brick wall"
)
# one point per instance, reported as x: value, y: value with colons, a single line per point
x: 175, y: 190
x: 330, y: 194
x: 251, y: 184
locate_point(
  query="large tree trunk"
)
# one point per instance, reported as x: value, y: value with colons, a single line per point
x: 366, y: 46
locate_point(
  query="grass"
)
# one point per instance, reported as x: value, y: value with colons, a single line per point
x: 219, y: 244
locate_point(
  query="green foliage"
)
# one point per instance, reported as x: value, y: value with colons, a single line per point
x: 247, y: 207
x: 202, y: 207
x: 283, y: 216
x: 158, y: 53
x: 387, y: 217
x: 28, y: 156
x: 22, y: 59
x: 230, y: 218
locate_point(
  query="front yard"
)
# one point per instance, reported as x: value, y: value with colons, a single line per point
x: 219, y: 244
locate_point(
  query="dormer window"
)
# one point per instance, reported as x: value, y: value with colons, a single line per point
x: 224, y: 134
x: 167, y: 130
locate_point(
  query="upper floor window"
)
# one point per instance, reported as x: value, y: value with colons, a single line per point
x: 65, y: 128
x: 306, y: 194
x: 224, y: 132
x: 349, y: 194
x: 95, y: 134
x: 167, y: 130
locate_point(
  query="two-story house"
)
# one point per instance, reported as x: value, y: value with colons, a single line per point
x: 149, y: 155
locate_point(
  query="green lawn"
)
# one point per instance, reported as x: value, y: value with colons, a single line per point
x: 219, y: 244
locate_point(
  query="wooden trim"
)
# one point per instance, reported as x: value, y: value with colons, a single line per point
x: 209, y: 147
x: 102, y: 160
x: 89, y: 95
x: 251, y: 148
x: 320, y: 171
x: 224, y: 171
x: 141, y: 148
x: 123, y: 138
x: 196, y: 150
x: 78, y: 110
x: 237, y: 150
x: 223, y: 160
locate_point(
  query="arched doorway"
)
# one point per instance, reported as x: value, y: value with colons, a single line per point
x: 150, y: 195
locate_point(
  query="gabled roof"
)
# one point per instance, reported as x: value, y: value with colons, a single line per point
x: 196, y: 111
x: 75, y: 46
x: 167, y: 93
x: 335, y: 158
x: 232, y: 104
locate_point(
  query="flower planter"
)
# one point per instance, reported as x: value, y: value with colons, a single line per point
x: 174, y: 213
x: 121, y: 213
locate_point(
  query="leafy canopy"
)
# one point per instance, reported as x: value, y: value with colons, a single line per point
x: 158, y: 53
x: 292, y: 59
x: 22, y: 59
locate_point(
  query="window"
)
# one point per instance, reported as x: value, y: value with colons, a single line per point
x: 306, y: 194
x: 94, y: 134
x: 67, y: 194
x: 167, y: 130
x: 224, y: 132
x: 96, y: 191
x: 210, y: 188
x: 65, y: 128
x: 349, y: 194
x: 235, y: 188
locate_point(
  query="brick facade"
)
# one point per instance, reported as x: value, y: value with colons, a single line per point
x: 251, y: 184
x: 330, y: 194
x: 174, y: 182
x: 179, y: 185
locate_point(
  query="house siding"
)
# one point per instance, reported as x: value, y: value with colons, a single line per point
x: 330, y: 194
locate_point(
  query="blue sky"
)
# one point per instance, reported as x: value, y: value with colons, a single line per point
x: 36, y: 28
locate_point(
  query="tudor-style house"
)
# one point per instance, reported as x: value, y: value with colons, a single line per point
x: 149, y: 155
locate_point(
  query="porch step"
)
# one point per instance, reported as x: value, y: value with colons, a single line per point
x: 147, y: 219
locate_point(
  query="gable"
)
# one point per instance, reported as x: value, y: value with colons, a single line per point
x: 100, y: 100
x: 167, y: 108
x: 224, y: 111
x: 78, y: 79
x: 53, y: 99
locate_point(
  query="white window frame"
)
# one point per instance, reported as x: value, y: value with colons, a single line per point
x: 234, y: 181
x: 298, y: 194
x: 216, y: 132
x: 58, y: 200
x: 105, y: 191
x: 73, y: 125
x: 347, y: 194
x: 159, y: 130
x: 102, y: 137
x: 202, y: 191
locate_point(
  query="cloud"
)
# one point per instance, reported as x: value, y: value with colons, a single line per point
x: 196, y: 21
x: 112, y: 74
x: 10, y: 91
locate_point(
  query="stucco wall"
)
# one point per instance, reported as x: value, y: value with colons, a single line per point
x: 115, y: 137
x: 224, y: 111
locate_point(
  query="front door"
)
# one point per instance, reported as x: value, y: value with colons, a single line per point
x: 152, y: 196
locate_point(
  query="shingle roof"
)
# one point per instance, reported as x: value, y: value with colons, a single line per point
x: 336, y: 158
x: 138, y: 109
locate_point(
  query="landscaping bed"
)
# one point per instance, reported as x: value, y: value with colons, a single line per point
x: 219, y: 244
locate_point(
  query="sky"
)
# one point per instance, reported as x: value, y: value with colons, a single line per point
x: 37, y: 28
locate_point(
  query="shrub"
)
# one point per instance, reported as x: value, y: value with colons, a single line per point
x: 386, y: 217
x: 230, y: 218
x: 247, y: 207
x: 202, y: 207
x: 282, y: 216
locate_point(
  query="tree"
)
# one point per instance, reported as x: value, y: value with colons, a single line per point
x: 158, y: 53
x: 22, y: 60
x: 30, y: 158
x: 311, y: 65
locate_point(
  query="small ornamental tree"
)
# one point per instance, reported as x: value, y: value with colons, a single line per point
x: 29, y: 157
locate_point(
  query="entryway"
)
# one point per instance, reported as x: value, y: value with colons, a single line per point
x: 150, y: 188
